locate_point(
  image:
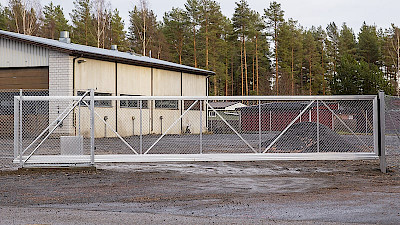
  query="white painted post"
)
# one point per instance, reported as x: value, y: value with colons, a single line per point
x: 16, y: 128
x: 259, y: 125
x: 317, y: 126
x: 141, y: 126
x: 382, y: 153
x: 21, y: 163
x: 201, y: 128
x: 92, y: 127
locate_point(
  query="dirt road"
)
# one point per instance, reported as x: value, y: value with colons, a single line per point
x: 306, y: 192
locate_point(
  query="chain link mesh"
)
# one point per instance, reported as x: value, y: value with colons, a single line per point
x: 131, y: 126
x: 392, y: 130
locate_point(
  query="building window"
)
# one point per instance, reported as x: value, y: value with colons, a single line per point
x: 188, y: 103
x: 166, y: 104
x: 212, y: 114
x: 97, y: 103
x: 132, y: 103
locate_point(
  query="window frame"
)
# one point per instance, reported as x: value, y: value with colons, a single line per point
x: 145, y: 103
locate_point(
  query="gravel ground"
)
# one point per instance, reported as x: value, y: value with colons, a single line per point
x: 296, y: 192
x: 269, y: 192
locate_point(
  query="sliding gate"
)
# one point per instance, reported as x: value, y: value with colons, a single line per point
x: 90, y: 129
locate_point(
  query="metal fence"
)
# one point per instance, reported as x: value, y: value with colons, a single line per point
x: 92, y: 128
x: 34, y: 115
x: 392, y: 130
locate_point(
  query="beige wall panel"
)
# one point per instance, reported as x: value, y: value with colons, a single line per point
x: 166, y: 83
x: 127, y: 126
x: 134, y: 80
x: 194, y: 85
x: 99, y: 125
x: 99, y: 75
x: 169, y: 117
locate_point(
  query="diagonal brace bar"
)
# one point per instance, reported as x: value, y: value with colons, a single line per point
x: 169, y: 128
x: 290, y: 124
x: 347, y: 127
x: 240, y: 136
x: 68, y: 110
x: 115, y: 132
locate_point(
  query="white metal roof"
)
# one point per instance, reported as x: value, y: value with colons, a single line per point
x: 106, y: 54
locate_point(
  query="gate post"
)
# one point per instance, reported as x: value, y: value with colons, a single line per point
x: 16, y: 127
x: 381, y: 114
x: 92, y: 127
x: 21, y: 163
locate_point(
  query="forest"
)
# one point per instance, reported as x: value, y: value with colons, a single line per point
x: 251, y: 53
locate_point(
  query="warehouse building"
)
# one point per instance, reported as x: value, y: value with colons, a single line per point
x: 67, y: 69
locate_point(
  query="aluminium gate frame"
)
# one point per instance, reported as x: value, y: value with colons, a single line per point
x: 378, y: 132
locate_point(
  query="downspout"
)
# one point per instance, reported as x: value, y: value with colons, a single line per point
x: 206, y: 106
x: 73, y: 90
x: 181, y: 103
x: 116, y: 94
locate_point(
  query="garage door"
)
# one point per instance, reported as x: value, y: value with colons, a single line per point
x: 24, y: 78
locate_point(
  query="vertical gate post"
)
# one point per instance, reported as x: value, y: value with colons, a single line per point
x: 317, y: 126
x: 16, y: 128
x: 140, y: 128
x: 20, y: 129
x: 381, y: 113
x: 201, y: 128
x: 259, y: 125
x: 92, y: 127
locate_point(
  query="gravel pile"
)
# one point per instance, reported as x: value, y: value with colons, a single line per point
x: 302, y: 137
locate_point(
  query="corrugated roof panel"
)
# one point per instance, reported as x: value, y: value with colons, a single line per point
x: 19, y: 54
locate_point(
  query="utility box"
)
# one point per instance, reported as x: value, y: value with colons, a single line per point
x: 71, y: 145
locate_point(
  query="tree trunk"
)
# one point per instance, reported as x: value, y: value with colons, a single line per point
x: 257, y: 64
x: 253, y: 86
x: 323, y: 70
x: 245, y: 66
x: 310, y: 76
x: 206, y: 42
x: 241, y: 66
x: 292, y: 73
x: 276, y: 60
x: 226, y: 74
x: 194, y: 46
x: 232, y: 85
x: 144, y: 31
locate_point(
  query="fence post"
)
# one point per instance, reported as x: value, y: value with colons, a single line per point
x: 259, y: 125
x: 16, y: 128
x: 92, y: 127
x: 317, y: 126
x: 140, y: 128
x: 20, y: 129
x: 201, y: 128
x: 381, y: 114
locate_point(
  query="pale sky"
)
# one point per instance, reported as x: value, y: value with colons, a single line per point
x: 308, y: 12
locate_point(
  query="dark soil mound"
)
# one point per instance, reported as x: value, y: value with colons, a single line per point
x: 302, y: 137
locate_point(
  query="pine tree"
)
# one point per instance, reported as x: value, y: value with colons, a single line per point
x: 53, y: 22
x: 176, y: 27
x: 193, y: 11
x: 274, y: 16
x: 82, y: 29
x: 3, y: 18
x: 117, y: 33
x: 241, y: 25
x: 143, y: 29
x: 347, y: 42
x: 368, y: 44
x: 332, y: 44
